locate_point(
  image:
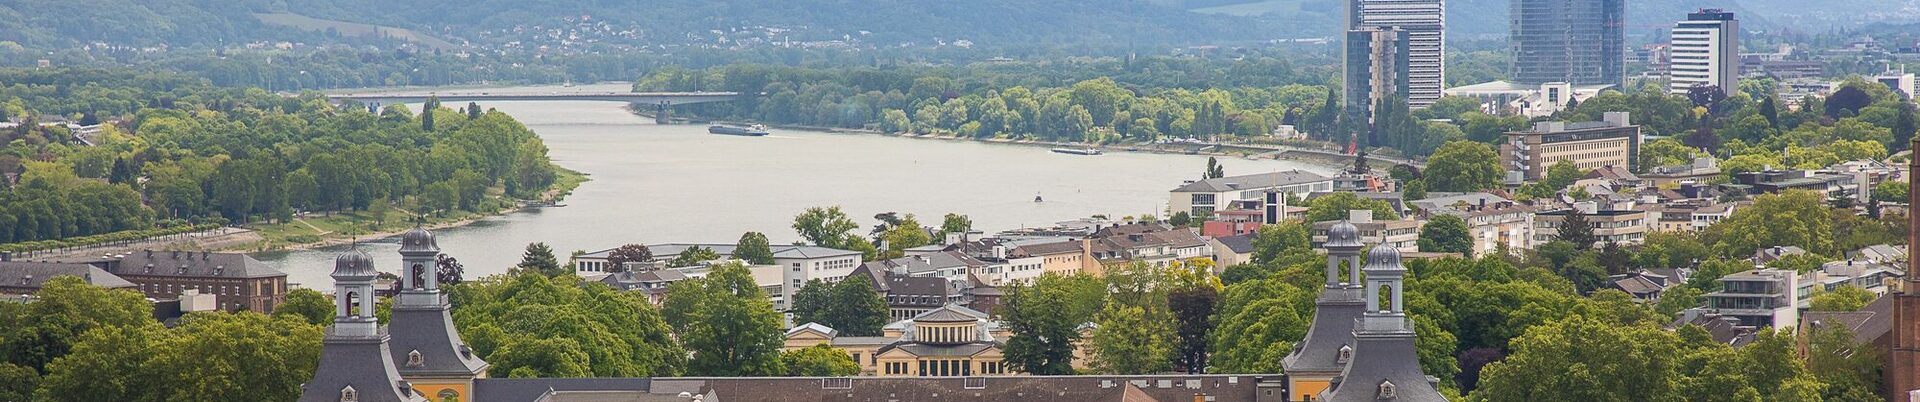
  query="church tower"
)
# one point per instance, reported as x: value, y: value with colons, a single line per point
x: 1385, y: 365
x: 355, y: 364
x: 1902, y: 373
x: 425, y: 343
x: 1320, y: 357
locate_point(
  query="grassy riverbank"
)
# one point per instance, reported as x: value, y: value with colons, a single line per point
x: 321, y: 230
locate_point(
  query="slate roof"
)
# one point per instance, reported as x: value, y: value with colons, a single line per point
x: 1064, y: 247
x: 924, y: 349
x: 1637, y: 285
x: 1252, y: 181
x: 363, y: 363
x: 34, y: 275
x: 197, y: 264
x: 950, y: 313
x: 1869, y: 323
x: 925, y: 263
x: 532, y: 389
x: 1378, y: 359
x: 1241, y: 244
x: 430, y: 331
x: 1334, y: 314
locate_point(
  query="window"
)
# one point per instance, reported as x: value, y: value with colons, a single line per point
x: 415, y: 360
x: 449, y: 395
x: 348, y: 394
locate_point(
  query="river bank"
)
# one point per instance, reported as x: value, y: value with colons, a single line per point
x: 312, y: 231
x: 1332, y: 158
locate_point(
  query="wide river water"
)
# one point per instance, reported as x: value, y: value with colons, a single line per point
x: 677, y: 183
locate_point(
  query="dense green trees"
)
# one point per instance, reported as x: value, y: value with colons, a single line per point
x: 1046, y: 317
x: 527, y: 324
x: 94, y: 344
x: 819, y: 361
x: 184, y: 150
x: 727, y: 323
x: 539, y: 258
x: 1463, y: 166
x: 753, y: 248
x: 850, y: 306
x: 1336, y: 206
x: 308, y: 305
x: 1100, y: 105
x: 1126, y: 340
x: 1446, y: 234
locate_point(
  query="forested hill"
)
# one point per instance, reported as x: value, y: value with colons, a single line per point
x: 63, y: 23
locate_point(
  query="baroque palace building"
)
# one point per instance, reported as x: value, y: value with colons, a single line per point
x: 945, y: 354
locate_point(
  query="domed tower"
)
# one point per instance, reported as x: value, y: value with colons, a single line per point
x: 1324, y: 353
x: 1385, y: 364
x: 425, y: 342
x: 355, y: 363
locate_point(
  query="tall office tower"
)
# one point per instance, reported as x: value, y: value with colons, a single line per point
x: 1377, y: 66
x: 1424, y: 22
x: 1706, y: 51
x: 1580, y: 42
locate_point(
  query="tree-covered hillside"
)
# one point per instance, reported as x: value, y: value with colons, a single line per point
x: 58, y: 23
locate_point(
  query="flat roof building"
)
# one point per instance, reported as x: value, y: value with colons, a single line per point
x: 1613, y: 141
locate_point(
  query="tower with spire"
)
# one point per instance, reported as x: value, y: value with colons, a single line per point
x: 1385, y: 364
x: 1316, y: 360
x: 355, y: 362
x: 425, y: 343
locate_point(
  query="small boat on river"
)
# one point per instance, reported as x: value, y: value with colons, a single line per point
x: 1077, y: 151
x: 749, y: 131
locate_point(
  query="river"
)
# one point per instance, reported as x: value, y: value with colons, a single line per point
x: 676, y: 183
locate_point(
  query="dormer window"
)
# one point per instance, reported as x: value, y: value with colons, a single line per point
x: 348, y: 394
x: 1388, y: 390
x: 1346, y: 353
x: 415, y: 360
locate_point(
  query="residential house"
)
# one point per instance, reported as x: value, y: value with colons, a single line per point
x: 1644, y: 285
x: 1873, y: 277
x: 1403, y: 235
x: 1204, y: 197
x: 1002, y: 266
x: 1760, y: 297
x: 1155, y: 247
x: 1492, y: 220
x: 1062, y: 257
x: 1883, y: 254
x: 1616, y: 226
x: 1232, y: 250
x: 1767, y: 255
x: 908, y: 295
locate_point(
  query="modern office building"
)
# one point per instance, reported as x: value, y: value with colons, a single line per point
x: 1376, y: 64
x: 1580, y: 42
x: 1424, y: 22
x: 1706, y: 51
x: 1589, y: 145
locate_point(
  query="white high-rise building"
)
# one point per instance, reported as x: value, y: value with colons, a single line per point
x: 1706, y: 51
x: 1424, y: 22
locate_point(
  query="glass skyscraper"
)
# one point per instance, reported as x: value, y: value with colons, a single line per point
x: 1581, y: 42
